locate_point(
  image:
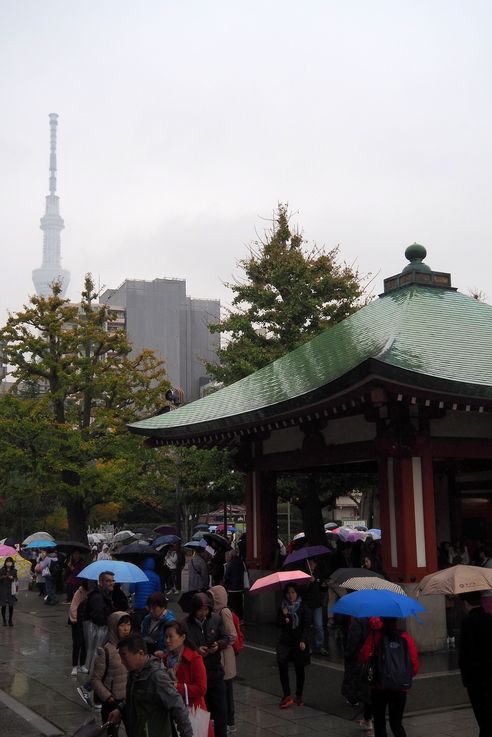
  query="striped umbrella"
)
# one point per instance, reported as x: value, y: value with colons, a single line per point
x: 361, y: 583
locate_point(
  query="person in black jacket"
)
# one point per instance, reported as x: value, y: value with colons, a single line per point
x: 234, y: 582
x: 294, y: 620
x: 475, y: 659
x: 206, y: 631
x: 95, y: 626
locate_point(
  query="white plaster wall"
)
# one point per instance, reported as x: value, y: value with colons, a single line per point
x: 349, y: 430
x: 283, y: 441
x: 462, y: 425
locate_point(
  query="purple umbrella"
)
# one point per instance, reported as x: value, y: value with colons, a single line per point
x: 312, y: 551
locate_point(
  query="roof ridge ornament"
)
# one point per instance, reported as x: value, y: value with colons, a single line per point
x: 417, y: 273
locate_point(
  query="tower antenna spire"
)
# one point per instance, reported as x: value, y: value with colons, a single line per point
x: 51, y: 224
x: 53, y: 127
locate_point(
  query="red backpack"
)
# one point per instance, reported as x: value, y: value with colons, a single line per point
x: 239, y: 644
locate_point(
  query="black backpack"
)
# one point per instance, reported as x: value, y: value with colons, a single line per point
x: 393, y: 667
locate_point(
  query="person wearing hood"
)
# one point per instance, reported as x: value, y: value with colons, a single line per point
x: 104, y: 554
x: 206, y: 631
x: 198, y: 576
x: 8, y: 576
x: 152, y: 702
x: 143, y: 589
x: 154, y: 623
x: 109, y: 675
x: 228, y: 656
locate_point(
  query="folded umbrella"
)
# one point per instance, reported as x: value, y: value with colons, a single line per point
x: 310, y: 551
x: 91, y: 729
x: 277, y: 581
x: 123, y: 571
x: 364, y: 583
x: 456, y: 580
x: 377, y: 604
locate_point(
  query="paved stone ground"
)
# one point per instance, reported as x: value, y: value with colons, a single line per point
x: 35, y: 667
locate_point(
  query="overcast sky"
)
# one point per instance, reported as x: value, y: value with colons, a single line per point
x: 183, y: 123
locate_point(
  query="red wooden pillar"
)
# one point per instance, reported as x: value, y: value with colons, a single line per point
x: 261, y: 520
x: 408, y: 515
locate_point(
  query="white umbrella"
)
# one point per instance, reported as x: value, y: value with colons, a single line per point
x: 123, y: 535
x: 36, y: 536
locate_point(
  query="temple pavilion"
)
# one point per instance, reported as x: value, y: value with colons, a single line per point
x: 403, y: 387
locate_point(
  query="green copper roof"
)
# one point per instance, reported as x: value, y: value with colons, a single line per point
x: 438, y: 335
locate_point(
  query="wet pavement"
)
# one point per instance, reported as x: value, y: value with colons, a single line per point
x: 38, y: 696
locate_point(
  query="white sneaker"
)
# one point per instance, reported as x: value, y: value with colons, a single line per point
x: 74, y: 671
x: 82, y: 669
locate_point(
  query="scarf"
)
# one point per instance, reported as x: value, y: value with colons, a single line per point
x: 293, y: 608
x: 173, y: 659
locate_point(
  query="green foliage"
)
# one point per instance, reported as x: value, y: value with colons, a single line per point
x: 69, y: 439
x: 290, y: 293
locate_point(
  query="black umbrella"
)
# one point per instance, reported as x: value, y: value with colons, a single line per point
x: 342, y: 574
x: 68, y: 546
x: 214, y: 537
x: 135, y: 549
x: 11, y: 541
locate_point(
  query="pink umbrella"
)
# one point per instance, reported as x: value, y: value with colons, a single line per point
x: 277, y: 581
x: 6, y: 550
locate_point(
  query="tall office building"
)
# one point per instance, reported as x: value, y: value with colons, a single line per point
x: 160, y: 316
x: 51, y: 225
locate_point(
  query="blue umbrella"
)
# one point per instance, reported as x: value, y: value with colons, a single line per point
x: 166, y: 540
x: 311, y: 551
x: 123, y: 571
x: 41, y: 544
x: 376, y: 603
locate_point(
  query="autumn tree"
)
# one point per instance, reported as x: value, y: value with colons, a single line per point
x: 89, y: 388
x: 289, y: 292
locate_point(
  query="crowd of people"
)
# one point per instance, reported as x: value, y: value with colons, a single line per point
x: 126, y: 641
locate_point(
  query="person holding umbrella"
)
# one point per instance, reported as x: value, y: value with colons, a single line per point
x: 393, y: 652
x: 294, y: 620
x: 8, y: 576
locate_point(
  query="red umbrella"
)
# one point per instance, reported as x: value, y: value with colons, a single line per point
x: 277, y: 581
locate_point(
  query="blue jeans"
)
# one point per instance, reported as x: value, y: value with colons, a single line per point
x: 50, y: 590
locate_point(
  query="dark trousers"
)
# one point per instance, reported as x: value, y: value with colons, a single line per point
x: 482, y: 708
x: 230, y: 702
x: 235, y: 600
x: 216, y: 701
x: 395, y: 701
x: 283, y: 671
x: 78, y: 644
x: 4, y: 612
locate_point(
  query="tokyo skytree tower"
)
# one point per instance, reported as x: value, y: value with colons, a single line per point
x: 51, y: 225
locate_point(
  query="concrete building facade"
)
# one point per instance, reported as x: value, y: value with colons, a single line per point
x: 160, y: 316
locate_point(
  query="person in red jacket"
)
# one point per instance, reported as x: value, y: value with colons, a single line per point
x: 186, y: 665
x: 395, y: 700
